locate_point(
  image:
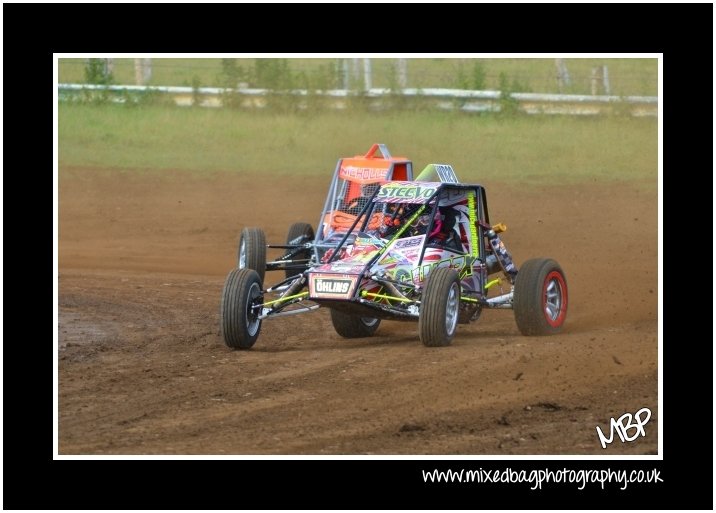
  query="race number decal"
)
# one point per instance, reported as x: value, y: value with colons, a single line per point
x: 446, y: 173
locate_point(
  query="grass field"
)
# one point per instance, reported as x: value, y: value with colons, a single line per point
x: 626, y: 76
x: 521, y: 149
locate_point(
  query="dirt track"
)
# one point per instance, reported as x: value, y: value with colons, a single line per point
x: 143, y: 370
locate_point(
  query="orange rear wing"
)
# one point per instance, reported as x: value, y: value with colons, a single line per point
x: 376, y: 166
x: 372, y: 167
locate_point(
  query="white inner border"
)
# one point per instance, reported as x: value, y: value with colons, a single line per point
x: 55, y: 286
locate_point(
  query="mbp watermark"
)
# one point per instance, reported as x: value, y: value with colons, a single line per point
x: 622, y: 426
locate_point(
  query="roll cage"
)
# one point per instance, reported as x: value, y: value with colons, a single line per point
x: 419, y: 199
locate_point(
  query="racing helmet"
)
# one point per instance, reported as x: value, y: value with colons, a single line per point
x: 421, y: 222
x: 420, y: 225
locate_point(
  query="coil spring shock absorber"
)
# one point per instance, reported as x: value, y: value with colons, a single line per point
x: 501, y: 254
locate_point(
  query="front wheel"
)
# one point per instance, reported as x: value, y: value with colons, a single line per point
x: 240, y: 323
x: 540, y: 298
x: 353, y: 326
x: 439, y: 308
x: 252, y: 251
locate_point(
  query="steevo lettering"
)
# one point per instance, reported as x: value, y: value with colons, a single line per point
x: 406, y: 192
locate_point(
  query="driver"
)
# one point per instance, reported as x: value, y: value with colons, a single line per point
x: 400, y: 215
x: 420, y: 225
x: 446, y: 231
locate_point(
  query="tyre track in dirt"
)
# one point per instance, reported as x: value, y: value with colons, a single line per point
x: 143, y: 370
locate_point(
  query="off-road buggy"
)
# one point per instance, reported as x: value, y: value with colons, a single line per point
x: 388, y: 246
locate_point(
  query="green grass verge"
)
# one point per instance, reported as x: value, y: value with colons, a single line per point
x: 626, y: 76
x: 516, y: 149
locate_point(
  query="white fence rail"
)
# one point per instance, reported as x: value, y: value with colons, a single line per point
x: 446, y: 99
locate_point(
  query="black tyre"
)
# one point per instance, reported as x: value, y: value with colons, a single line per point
x: 469, y: 314
x: 353, y: 326
x: 252, y: 251
x: 240, y: 324
x: 540, y: 298
x: 305, y: 232
x: 439, y: 308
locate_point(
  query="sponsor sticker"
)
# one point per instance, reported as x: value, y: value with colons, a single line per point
x: 331, y: 286
x: 343, y: 268
x: 363, y: 173
x: 409, y: 242
x: 405, y: 192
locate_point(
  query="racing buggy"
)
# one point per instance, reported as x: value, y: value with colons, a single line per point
x: 388, y: 246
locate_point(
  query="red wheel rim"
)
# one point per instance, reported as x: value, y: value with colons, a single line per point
x: 554, y: 299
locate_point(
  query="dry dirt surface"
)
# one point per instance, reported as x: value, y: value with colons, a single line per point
x: 143, y: 368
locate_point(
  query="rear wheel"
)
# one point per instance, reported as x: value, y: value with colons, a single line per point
x: 468, y: 314
x: 240, y: 324
x: 540, y: 299
x: 439, y: 308
x: 299, y: 233
x: 252, y: 251
x: 353, y: 326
